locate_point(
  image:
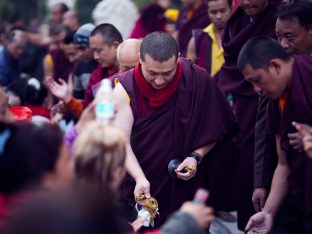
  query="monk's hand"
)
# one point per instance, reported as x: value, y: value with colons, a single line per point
x: 142, y: 186
x: 187, y: 169
x: 306, y: 134
x: 259, y: 197
x: 295, y: 139
x: 259, y: 223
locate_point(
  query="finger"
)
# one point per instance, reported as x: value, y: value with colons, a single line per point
x: 184, y: 176
x: 249, y: 225
x: 181, y: 166
x: 262, y: 202
x: 256, y: 205
x: 62, y: 82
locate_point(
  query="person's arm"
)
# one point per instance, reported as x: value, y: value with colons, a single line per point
x: 265, y: 157
x: 262, y: 221
x: 124, y: 120
x: 192, y: 162
x: 191, y: 52
x: 191, y: 218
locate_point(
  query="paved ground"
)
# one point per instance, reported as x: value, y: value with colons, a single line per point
x: 222, y: 227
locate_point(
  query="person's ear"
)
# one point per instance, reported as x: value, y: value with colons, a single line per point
x: 140, y: 60
x: 275, y: 66
x: 116, y: 44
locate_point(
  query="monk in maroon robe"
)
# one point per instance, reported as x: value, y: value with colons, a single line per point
x: 178, y: 112
x: 246, y: 22
x: 287, y: 81
x: 192, y: 16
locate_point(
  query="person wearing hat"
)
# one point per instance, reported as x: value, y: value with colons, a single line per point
x: 86, y: 65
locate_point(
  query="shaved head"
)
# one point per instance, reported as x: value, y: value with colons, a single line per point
x: 128, y: 54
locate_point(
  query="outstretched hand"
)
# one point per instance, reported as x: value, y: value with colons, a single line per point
x: 59, y: 90
x: 259, y: 223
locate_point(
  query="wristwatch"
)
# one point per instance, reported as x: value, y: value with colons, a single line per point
x: 197, y: 157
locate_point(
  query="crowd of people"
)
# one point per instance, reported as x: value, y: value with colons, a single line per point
x: 222, y: 87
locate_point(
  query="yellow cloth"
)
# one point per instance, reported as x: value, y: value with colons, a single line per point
x: 116, y: 81
x: 217, y: 58
x: 172, y: 14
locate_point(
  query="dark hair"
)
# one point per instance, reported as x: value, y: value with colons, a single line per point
x: 160, y: 46
x: 259, y: 51
x: 229, y: 2
x: 30, y: 92
x: 63, y: 7
x: 109, y: 33
x: 12, y: 32
x: 302, y: 10
x: 28, y: 153
x: 72, y: 212
x: 69, y: 39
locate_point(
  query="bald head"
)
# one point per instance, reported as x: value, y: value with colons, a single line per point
x: 128, y: 54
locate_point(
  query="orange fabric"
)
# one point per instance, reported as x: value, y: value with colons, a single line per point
x: 282, y: 102
x: 75, y: 107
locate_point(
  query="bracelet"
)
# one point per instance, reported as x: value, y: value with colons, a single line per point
x: 197, y: 157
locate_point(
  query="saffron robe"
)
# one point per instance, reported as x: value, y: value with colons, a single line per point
x: 184, y: 26
x: 196, y: 115
x: 238, y: 30
x: 298, y: 108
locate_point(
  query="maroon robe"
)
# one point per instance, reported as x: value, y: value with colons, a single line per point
x: 184, y: 26
x: 62, y: 67
x: 203, y: 49
x: 298, y: 107
x: 195, y: 115
x: 96, y: 77
x: 238, y: 30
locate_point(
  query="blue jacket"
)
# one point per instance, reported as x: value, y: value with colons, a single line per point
x: 9, y: 68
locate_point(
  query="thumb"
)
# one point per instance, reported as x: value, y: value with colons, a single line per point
x: 249, y: 225
x: 147, y: 193
x: 180, y: 167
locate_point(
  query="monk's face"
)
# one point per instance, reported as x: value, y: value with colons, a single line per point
x: 103, y: 53
x: 158, y: 74
x: 293, y: 37
x: 266, y: 82
x: 253, y: 7
x: 219, y: 12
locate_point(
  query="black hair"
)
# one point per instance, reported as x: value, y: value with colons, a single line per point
x: 12, y: 32
x: 302, y: 10
x: 29, y: 152
x: 229, y: 2
x: 30, y: 93
x: 259, y: 51
x: 109, y: 33
x: 160, y: 46
x: 63, y: 7
x: 69, y: 39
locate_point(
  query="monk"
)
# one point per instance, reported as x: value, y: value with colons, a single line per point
x: 286, y: 80
x: 205, y: 47
x: 293, y: 30
x: 171, y: 103
x: 192, y: 15
x: 104, y: 40
x: 246, y: 22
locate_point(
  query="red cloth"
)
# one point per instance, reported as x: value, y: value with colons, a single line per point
x: 96, y: 76
x: 21, y: 113
x: 157, y: 97
x: 40, y: 110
